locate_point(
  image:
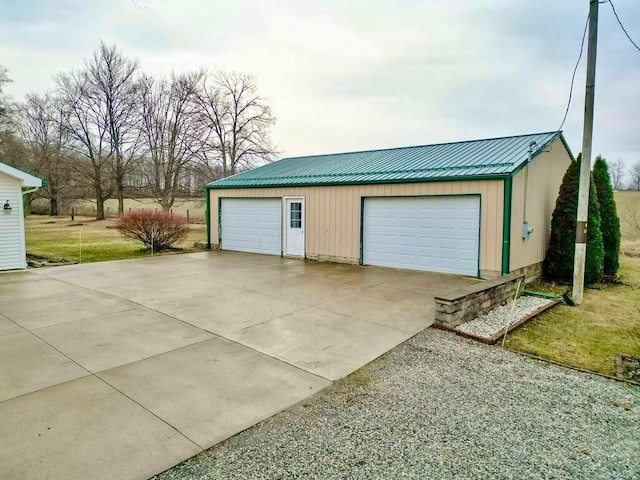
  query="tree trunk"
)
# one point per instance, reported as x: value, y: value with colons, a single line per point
x: 99, y: 203
x: 53, y: 208
x: 166, y: 204
x: 120, y: 198
x: 53, y: 198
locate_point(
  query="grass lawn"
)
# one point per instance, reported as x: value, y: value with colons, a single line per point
x: 88, y: 240
x: 605, y: 325
x: 195, y: 207
x: 628, y: 204
x: 592, y: 334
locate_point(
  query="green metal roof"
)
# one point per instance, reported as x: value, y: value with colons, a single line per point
x: 488, y: 158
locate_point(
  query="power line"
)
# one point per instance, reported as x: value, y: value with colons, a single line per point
x: 622, y: 26
x: 573, y: 77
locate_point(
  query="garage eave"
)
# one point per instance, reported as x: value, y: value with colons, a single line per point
x: 460, y: 178
x: 542, y: 149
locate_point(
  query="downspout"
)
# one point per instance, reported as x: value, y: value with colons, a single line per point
x: 219, y: 220
x: 361, y: 255
x: 208, y: 217
x: 506, y: 225
x: 526, y: 228
x: 27, y: 192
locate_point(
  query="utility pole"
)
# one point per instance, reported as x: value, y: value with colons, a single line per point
x: 585, y: 166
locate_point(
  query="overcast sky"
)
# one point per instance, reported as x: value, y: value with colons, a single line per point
x: 355, y: 75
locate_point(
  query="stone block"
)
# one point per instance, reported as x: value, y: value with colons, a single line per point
x: 464, y: 305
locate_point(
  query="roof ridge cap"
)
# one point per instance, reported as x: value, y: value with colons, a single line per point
x: 380, y: 172
x: 300, y: 157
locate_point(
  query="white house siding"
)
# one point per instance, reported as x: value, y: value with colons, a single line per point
x: 12, y: 247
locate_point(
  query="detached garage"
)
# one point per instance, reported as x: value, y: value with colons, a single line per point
x: 480, y: 208
x: 12, y: 244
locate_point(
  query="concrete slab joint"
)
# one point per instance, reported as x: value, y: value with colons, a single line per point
x: 122, y: 369
x: 467, y: 303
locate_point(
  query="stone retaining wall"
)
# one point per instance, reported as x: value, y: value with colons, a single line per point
x: 531, y: 272
x: 468, y: 303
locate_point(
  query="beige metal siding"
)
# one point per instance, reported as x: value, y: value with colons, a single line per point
x: 545, y: 176
x: 12, y: 248
x: 333, y: 215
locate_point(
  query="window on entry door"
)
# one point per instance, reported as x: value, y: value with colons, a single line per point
x: 295, y: 214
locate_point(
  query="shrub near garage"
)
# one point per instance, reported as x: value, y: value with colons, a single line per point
x: 608, y: 215
x: 157, y: 230
x: 558, y: 264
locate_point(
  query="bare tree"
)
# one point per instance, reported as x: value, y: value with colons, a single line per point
x: 171, y: 130
x: 4, y: 79
x: 85, y: 121
x: 6, y: 124
x: 633, y: 217
x: 616, y: 170
x: 114, y: 78
x: 238, y: 123
x: 40, y: 125
x: 101, y: 121
x: 635, y: 176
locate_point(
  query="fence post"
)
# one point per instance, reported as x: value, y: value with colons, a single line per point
x: 72, y: 214
x: 107, y: 212
x: 187, y: 216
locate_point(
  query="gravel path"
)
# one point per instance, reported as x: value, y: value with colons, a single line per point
x: 440, y: 406
x: 499, y: 317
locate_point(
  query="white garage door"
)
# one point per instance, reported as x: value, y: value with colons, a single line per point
x: 438, y: 234
x: 252, y: 225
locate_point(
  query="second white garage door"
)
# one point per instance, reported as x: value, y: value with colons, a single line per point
x: 438, y: 234
x: 251, y: 225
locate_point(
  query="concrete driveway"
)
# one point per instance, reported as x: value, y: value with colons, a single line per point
x: 123, y: 369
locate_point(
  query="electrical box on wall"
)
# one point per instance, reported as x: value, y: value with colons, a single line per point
x: 527, y: 230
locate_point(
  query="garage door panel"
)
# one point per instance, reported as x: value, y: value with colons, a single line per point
x: 252, y: 225
x: 468, y: 223
x: 438, y: 234
x: 470, y: 245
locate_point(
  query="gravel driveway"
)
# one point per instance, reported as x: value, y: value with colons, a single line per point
x: 439, y: 406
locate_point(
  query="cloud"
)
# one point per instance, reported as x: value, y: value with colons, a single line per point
x: 356, y: 75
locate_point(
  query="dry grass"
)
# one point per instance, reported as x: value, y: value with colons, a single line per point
x: 630, y: 248
x: 88, y: 240
x: 628, y: 204
x: 606, y: 324
x: 196, y: 207
x: 592, y: 334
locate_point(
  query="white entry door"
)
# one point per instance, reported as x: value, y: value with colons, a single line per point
x: 295, y: 226
x: 438, y: 234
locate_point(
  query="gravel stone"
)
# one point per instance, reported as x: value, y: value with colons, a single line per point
x: 441, y: 406
x: 498, y: 318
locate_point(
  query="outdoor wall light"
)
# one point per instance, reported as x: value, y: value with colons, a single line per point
x: 7, y: 207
